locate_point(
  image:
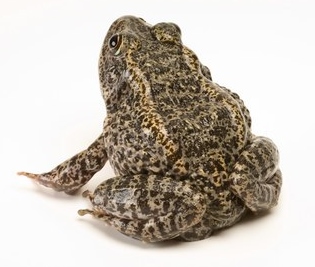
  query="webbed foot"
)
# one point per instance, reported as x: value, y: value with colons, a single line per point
x: 72, y: 174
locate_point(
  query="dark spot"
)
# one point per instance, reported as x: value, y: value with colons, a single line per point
x: 151, y: 229
x: 154, y: 193
x: 166, y: 206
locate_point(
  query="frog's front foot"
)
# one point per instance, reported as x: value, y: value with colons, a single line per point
x: 95, y: 212
x: 85, y: 211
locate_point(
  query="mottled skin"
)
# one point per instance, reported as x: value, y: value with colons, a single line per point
x: 181, y: 145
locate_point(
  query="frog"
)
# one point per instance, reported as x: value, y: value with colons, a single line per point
x: 186, y: 162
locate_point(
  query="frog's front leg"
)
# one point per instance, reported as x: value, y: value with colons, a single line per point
x: 73, y: 173
x: 147, y: 207
x: 256, y: 178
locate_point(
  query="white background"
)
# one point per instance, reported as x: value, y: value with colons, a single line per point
x: 51, y: 108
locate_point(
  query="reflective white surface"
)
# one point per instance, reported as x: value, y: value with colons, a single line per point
x: 51, y: 108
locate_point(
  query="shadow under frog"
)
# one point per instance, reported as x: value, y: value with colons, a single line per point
x: 181, y: 146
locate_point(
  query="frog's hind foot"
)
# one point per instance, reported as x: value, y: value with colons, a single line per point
x: 43, y: 179
x: 70, y: 175
x: 50, y: 179
x: 29, y: 175
x: 256, y: 178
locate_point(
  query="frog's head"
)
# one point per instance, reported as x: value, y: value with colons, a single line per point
x: 134, y: 53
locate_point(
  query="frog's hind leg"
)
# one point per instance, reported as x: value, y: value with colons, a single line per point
x: 256, y: 178
x: 73, y: 173
x: 150, y: 208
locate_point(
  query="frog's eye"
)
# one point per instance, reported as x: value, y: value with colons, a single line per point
x: 115, y: 43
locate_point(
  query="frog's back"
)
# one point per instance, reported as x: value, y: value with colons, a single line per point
x: 203, y: 118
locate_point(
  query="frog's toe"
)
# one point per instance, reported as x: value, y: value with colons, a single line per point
x: 83, y: 212
x: 50, y: 179
x: 30, y: 175
x: 99, y: 214
x: 87, y: 194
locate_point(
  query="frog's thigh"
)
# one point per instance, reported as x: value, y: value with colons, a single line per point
x: 199, y: 231
x: 256, y: 177
x: 150, y: 207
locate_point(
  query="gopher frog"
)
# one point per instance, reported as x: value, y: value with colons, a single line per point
x: 185, y: 160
